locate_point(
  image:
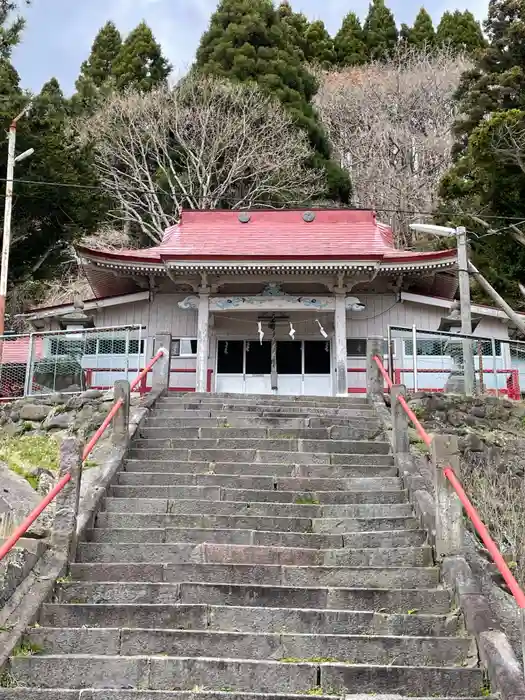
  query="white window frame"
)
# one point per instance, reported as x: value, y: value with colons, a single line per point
x: 363, y: 357
x: 182, y: 354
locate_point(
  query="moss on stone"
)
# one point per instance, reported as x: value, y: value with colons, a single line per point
x: 26, y: 453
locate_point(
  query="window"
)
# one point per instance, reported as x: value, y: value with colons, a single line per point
x: 66, y: 346
x: 94, y: 346
x: 356, y: 347
x: 134, y: 347
x: 438, y: 347
x: 184, y: 347
x: 428, y: 348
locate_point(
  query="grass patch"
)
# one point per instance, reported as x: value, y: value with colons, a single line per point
x: 314, y: 691
x: 307, y: 500
x: 7, y: 680
x: 25, y: 453
x: 27, y: 648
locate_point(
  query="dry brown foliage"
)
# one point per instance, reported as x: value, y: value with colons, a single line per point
x: 499, y: 496
x: 391, y: 126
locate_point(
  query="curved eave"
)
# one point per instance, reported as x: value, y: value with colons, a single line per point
x: 245, y: 266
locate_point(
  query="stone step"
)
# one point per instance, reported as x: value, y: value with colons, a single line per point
x: 220, y: 493
x: 184, y: 673
x: 382, y: 468
x: 260, y: 482
x: 388, y: 600
x: 261, y: 402
x: 175, y: 553
x: 400, y: 538
x: 250, y: 522
x: 108, y: 694
x: 276, y: 575
x: 335, y: 416
x: 232, y: 618
x: 350, y: 400
x: 255, y: 421
x: 207, y: 507
x: 373, y: 456
x: 365, y: 431
x: 289, y: 648
x: 353, y: 447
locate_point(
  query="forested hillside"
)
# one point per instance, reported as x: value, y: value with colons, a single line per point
x: 414, y: 121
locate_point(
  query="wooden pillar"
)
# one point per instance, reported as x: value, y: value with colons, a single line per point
x: 341, y: 373
x: 203, y: 341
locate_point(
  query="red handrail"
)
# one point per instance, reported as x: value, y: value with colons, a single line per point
x: 26, y: 524
x: 492, y: 547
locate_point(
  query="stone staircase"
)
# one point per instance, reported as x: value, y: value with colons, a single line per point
x: 251, y: 545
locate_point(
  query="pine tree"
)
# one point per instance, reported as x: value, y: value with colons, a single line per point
x: 319, y: 46
x: 10, y: 27
x: 296, y: 23
x: 104, y: 52
x: 248, y: 41
x: 487, y: 175
x: 96, y: 73
x: 140, y: 63
x: 461, y: 31
x: 349, y: 42
x: 422, y: 34
x: 380, y: 31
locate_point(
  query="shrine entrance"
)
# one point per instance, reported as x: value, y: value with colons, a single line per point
x: 283, y: 367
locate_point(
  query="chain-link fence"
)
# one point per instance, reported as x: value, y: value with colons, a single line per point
x: 425, y: 360
x: 69, y: 361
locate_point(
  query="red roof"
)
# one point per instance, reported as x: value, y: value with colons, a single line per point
x: 340, y: 234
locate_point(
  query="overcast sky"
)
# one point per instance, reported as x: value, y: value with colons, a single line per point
x: 59, y: 33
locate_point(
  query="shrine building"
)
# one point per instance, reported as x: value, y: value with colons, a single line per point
x: 265, y: 301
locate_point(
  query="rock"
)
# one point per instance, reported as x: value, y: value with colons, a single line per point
x: 471, y: 443
x: 33, y: 412
x: 18, y: 499
x: 75, y: 403
x: 455, y: 418
x: 53, y: 400
x: 13, y: 429
x: 436, y: 403
x: 58, y: 420
x: 478, y: 411
x: 92, y: 394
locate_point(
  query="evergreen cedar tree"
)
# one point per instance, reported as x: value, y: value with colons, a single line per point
x: 380, y: 30
x: 461, y: 31
x: 140, y: 63
x: 11, y: 27
x: 248, y: 40
x: 422, y: 34
x: 104, y: 52
x: 349, y: 43
x: 492, y: 99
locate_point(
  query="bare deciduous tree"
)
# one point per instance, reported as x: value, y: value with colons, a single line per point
x: 391, y: 126
x: 205, y: 143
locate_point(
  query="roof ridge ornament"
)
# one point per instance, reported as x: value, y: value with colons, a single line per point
x: 244, y: 217
x: 308, y: 216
